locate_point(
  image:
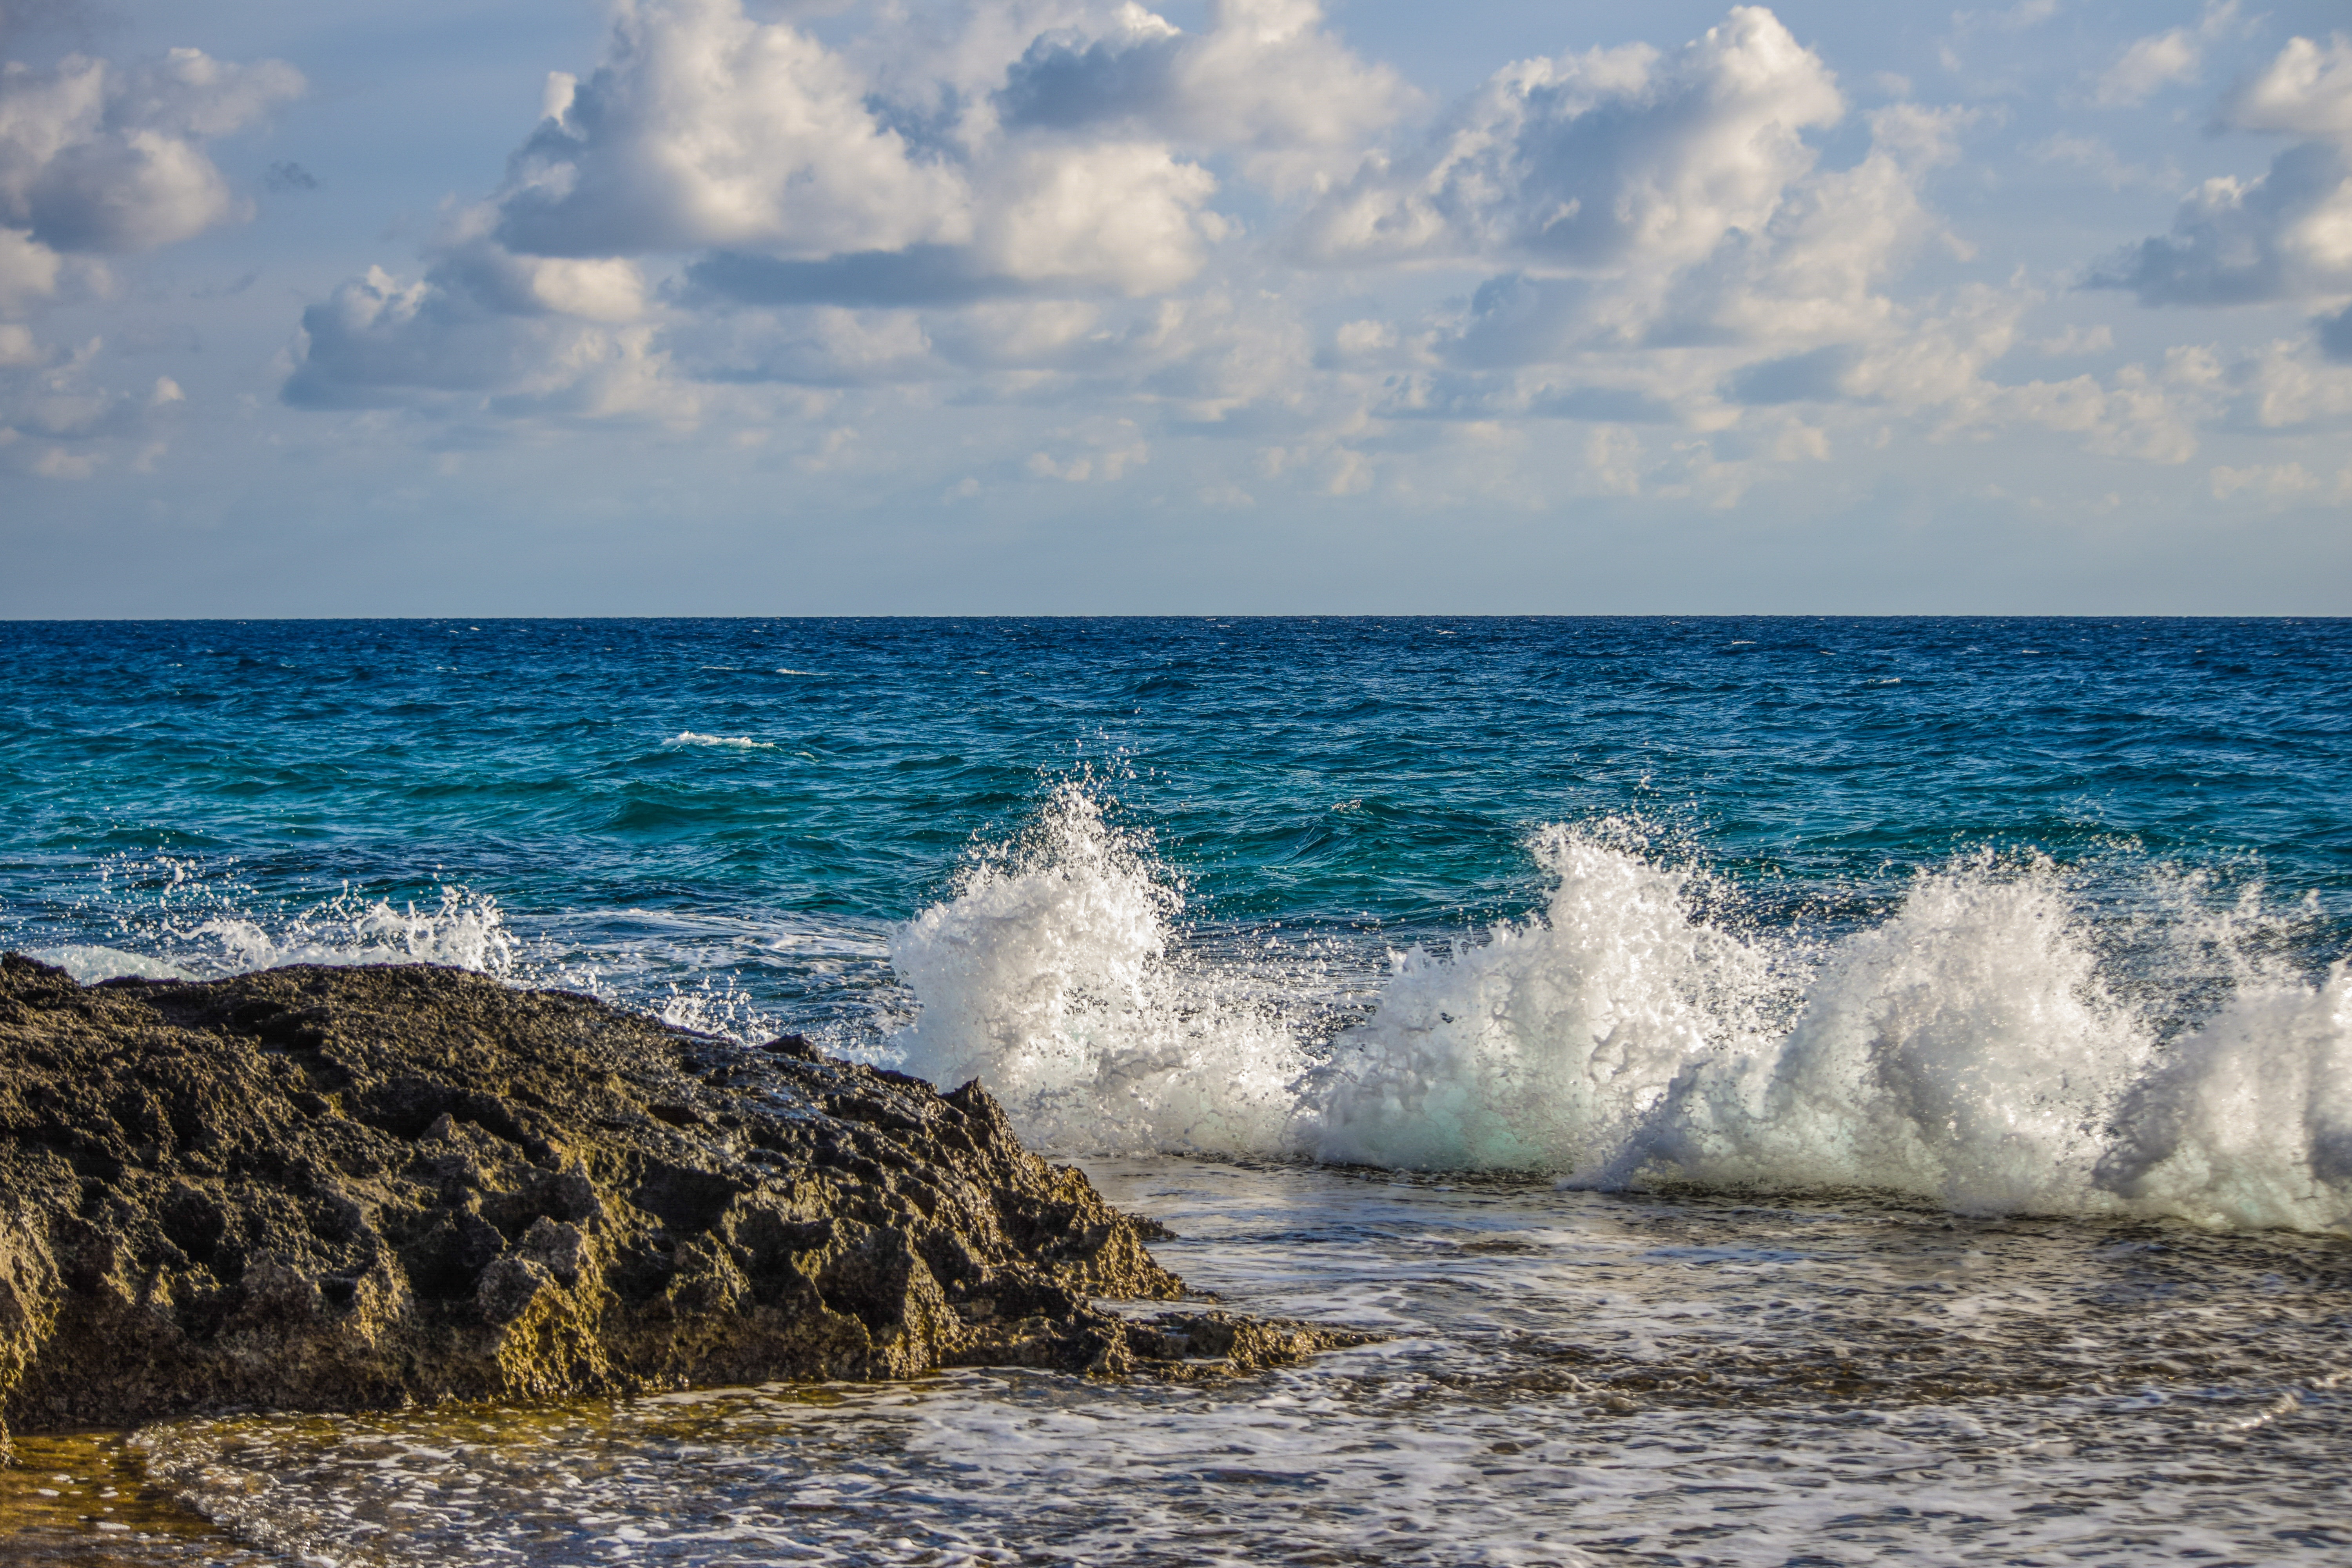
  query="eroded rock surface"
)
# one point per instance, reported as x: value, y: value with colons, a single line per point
x: 319, y: 1188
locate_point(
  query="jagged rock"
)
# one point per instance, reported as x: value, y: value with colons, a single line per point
x: 323, y: 1189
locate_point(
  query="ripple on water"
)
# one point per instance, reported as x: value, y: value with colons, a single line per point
x: 85, y: 1500
x: 1573, y: 1378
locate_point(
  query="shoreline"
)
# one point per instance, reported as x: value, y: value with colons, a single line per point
x: 344, y: 1189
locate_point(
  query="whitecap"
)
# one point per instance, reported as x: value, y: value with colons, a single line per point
x: 89, y: 963
x: 1051, y: 977
x: 463, y: 930
x: 738, y: 742
x: 1977, y: 1045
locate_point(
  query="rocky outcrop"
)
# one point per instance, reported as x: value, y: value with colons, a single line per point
x: 321, y: 1189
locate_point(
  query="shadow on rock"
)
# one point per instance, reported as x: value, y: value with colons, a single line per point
x: 323, y: 1189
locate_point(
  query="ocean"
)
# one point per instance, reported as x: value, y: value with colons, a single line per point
x: 1791, y: 1090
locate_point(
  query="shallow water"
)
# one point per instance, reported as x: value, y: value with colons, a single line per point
x: 85, y: 1499
x: 1571, y: 1377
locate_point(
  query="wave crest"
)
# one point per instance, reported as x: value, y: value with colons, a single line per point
x: 1981, y: 1045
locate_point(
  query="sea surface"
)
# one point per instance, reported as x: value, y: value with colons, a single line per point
x: 1792, y: 1090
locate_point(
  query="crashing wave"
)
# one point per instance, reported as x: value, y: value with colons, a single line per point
x: 1977, y: 1045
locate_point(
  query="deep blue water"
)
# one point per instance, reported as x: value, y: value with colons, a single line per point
x: 1335, y: 773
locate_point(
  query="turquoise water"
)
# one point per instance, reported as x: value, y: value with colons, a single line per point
x: 1792, y: 1090
x: 1993, y: 910
x: 1344, y: 773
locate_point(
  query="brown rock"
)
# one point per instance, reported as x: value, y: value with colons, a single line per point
x: 327, y: 1189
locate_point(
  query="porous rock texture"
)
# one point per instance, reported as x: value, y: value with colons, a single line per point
x: 318, y: 1189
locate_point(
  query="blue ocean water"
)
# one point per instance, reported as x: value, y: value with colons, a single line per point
x: 1791, y: 1090
x: 1363, y: 888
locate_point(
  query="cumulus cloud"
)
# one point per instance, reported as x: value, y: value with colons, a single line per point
x: 2276, y: 481
x: 769, y: 173
x: 472, y: 334
x: 730, y: 214
x: 100, y: 158
x: 28, y: 272
x: 1606, y: 160
x: 2284, y: 235
x: 1122, y: 216
x: 1791, y: 308
x: 706, y: 129
x: 1267, y: 79
x: 2305, y: 91
x: 58, y: 419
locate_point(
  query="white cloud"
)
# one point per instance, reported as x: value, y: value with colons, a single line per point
x: 100, y: 158
x: 56, y: 463
x: 2305, y: 91
x: 1792, y: 307
x: 2149, y: 64
x: 706, y: 129
x: 2149, y: 413
x: 28, y: 272
x: 777, y: 166
x: 378, y: 342
x: 61, y: 399
x: 1266, y: 78
x: 1611, y: 160
x: 2283, y: 235
x: 1117, y: 216
x: 2164, y: 60
x: 729, y: 216
x: 2289, y: 386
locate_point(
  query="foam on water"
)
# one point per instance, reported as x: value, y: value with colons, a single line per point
x: 196, y: 929
x: 736, y: 742
x: 1051, y: 976
x: 466, y: 931
x: 1571, y: 1378
x: 1984, y: 1044
x: 90, y: 962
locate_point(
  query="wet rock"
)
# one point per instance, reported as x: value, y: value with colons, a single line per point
x: 330, y: 1189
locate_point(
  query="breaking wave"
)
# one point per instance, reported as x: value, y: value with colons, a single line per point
x: 1988, y: 1043
x: 732, y: 742
x: 199, y: 930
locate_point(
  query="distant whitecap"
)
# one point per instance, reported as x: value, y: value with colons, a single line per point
x: 739, y: 743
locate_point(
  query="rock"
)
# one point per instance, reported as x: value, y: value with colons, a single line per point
x: 323, y: 1189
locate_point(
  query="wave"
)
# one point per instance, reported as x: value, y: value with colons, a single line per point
x: 90, y: 963
x: 736, y: 742
x: 1050, y: 976
x: 464, y: 931
x: 1986, y: 1044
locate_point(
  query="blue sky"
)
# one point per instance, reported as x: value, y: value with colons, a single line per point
x: 759, y: 306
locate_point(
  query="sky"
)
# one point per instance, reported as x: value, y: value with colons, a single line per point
x: 790, y: 306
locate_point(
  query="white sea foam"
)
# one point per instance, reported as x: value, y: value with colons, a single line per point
x: 738, y: 742
x: 90, y: 963
x: 1050, y: 976
x: 1977, y: 1046
x: 197, y: 928
x: 463, y: 930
